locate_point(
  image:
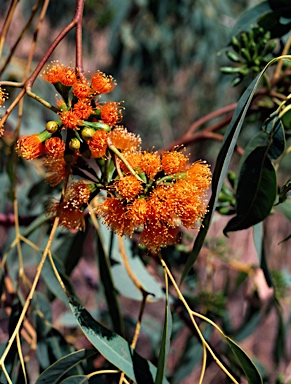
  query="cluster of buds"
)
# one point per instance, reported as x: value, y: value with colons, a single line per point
x: 148, y: 192
x: 250, y: 52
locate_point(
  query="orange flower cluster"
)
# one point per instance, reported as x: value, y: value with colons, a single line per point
x: 152, y: 193
x: 171, y: 195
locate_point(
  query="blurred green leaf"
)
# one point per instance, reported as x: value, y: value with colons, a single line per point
x: 113, y: 347
x: 252, y: 374
x: 250, y: 17
x: 56, y: 371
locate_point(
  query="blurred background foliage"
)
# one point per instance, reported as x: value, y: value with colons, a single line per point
x: 166, y: 57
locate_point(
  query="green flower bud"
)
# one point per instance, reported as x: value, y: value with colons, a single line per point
x: 52, y: 126
x: 87, y: 133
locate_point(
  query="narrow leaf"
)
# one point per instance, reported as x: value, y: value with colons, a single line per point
x: 252, y: 374
x: 54, y: 373
x: 109, y: 289
x: 165, y: 344
x: 114, y: 348
x: 80, y: 379
x: 223, y: 159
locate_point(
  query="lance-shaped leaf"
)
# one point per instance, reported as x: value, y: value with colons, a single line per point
x: 252, y: 374
x: 223, y: 159
x: 165, y: 344
x: 256, y: 191
x: 114, y: 348
x: 57, y: 370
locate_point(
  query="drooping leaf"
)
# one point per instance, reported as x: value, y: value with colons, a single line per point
x: 122, y: 281
x: 165, y: 342
x: 221, y: 168
x: 280, y: 341
x: 256, y: 191
x: 252, y: 374
x: 113, y: 347
x: 109, y: 289
x: 56, y: 371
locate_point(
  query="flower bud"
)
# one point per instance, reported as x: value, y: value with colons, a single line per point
x: 52, y: 126
x: 87, y: 133
x: 74, y: 144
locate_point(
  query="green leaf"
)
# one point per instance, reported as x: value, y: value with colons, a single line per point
x: 256, y: 191
x: 274, y: 127
x: 53, y: 374
x: 221, y: 168
x: 280, y: 340
x: 110, y: 292
x: 252, y: 374
x: 122, y: 281
x: 165, y: 344
x: 249, y: 18
x: 113, y: 347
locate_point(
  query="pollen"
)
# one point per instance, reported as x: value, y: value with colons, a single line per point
x: 174, y: 162
x: 83, y: 109
x: 69, y: 119
x: 54, y: 147
x: 157, y: 235
x: 102, y: 83
x: 111, y: 113
x: 98, y: 144
x: 128, y: 187
x: 29, y: 147
x: 138, y: 212
x: 124, y: 140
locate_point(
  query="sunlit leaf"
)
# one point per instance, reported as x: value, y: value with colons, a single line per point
x: 114, y: 348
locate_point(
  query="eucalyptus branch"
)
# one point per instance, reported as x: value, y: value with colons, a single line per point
x: 31, y: 293
x: 6, y: 24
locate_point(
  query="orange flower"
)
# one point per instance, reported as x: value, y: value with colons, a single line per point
x: 82, y: 89
x: 30, y: 147
x: 56, y: 169
x: 77, y: 193
x: 124, y: 140
x: 199, y: 174
x: 70, y: 217
x: 138, y: 212
x: 83, y: 109
x: 98, y: 144
x: 102, y: 83
x: 69, y: 119
x: 114, y: 215
x: 128, y: 187
x: 54, y: 147
x: 54, y: 72
x: 134, y: 159
x: 173, y: 162
x: 3, y: 96
x: 111, y: 113
x: 150, y: 164
x: 68, y: 76
x: 157, y: 235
